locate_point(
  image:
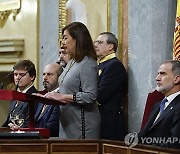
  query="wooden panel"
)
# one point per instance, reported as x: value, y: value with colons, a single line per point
x: 74, y: 148
x: 167, y: 153
x: 143, y: 151
x: 110, y: 148
x: 21, y: 148
x: 57, y: 146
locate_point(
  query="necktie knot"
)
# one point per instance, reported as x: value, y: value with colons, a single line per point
x: 162, y: 105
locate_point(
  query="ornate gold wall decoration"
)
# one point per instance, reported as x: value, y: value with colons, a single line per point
x: 123, y: 34
x: 11, y: 48
x: 108, y: 15
x: 11, y: 51
x: 62, y: 16
x: 9, y: 7
x: 120, y: 29
x: 3, y: 17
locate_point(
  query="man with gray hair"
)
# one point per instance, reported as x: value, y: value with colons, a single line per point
x: 163, y: 124
x: 111, y: 87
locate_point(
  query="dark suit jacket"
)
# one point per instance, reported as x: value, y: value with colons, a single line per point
x: 168, y: 124
x: 111, y: 88
x: 48, y: 119
x: 111, y: 85
x: 22, y: 108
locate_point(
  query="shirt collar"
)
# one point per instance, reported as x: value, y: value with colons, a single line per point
x: 171, y: 97
x: 56, y: 90
x: 25, y: 90
x: 108, y: 57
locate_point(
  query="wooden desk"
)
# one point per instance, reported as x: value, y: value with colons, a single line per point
x: 31, y: 100
x: 57, y: 146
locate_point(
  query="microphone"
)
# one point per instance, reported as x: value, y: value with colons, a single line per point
x: 17, y: 85
x: 2, y: 83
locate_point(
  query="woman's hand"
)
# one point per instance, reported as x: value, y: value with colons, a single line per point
x: 38, y: 94
x: 55, y: 96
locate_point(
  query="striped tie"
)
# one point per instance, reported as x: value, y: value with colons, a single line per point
x: 43, y: 109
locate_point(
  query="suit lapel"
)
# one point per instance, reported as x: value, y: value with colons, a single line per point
x: 152, y: 118
x: 13, y: 103
x: 38, y: 111
x: 164, y: 113
x: 31, y: 90
x: 45, y: 110
x: 18, y: 107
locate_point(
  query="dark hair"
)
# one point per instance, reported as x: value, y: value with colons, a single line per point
x: 84, y: 43
x: 26, y: 65
x: 175, y: 66
x: 111, y: 39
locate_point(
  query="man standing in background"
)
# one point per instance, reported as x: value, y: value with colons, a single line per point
x: 111, y: 87
x: 64, y: 57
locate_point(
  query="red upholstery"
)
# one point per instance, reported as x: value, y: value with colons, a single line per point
x: 152, y: 98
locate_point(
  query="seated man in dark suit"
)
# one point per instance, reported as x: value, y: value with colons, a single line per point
x: 24, y: 76
x: 163, y: 125
x: 47, y: 116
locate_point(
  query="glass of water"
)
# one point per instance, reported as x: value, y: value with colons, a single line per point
x: 17, y: 118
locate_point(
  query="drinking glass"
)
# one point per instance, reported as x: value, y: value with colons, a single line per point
x: 17, y: 118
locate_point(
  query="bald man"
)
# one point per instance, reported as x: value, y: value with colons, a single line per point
x: 47, y: 116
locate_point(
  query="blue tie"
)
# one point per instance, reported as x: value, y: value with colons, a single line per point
x: 162, y: 105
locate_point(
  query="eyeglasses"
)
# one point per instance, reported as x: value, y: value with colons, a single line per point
x: 19, y: 74
x: 99, y: 42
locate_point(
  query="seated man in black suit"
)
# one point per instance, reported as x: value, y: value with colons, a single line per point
x: 24, y: 76
x: 163, y: 125
x: 47, y: 116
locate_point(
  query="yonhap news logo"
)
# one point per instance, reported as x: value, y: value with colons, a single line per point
x: 159, y: 140
x: 132, y: 140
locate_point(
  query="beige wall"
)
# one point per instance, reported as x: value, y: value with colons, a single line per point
x: 24, y: 27
x: 97, y: 16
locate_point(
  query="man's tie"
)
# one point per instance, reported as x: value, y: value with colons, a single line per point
x: 162, y: 105
x: 43, y: 109
x: 17, y: 103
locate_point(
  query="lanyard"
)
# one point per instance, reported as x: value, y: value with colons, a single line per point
x: 72, y: 63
